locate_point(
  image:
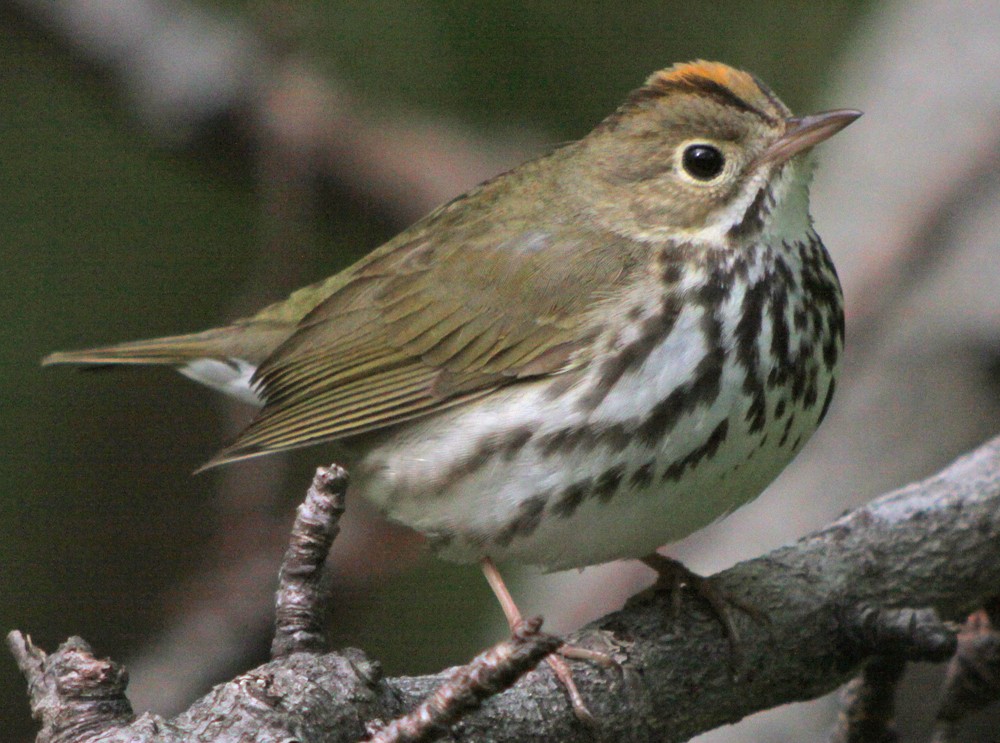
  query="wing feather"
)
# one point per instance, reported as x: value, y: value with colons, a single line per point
x: 433, y: 319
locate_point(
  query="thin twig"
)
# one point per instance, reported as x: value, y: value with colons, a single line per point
x: 466, y: 687
x: 933, y: 543
x: 301, y: 603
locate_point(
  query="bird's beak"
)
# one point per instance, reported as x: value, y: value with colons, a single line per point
x: 803, y: 132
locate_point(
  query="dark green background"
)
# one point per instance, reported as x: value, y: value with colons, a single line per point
x: 105, y: 235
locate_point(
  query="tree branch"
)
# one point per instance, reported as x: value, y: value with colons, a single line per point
x: 933, y: 544
x: 298, y: 622
x: 973, y: 678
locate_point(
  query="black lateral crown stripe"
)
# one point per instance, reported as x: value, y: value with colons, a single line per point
x: 695, y: 84
x: 766, y: 90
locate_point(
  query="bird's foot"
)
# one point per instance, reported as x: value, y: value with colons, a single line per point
x: 673, y: 576
x: 557, y: 661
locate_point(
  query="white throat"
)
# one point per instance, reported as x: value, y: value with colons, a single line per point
x: 788, y: 207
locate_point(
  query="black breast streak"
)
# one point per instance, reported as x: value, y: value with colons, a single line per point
x: 826, y: 401
x: 672, y: 261
x: 570, y: 498
x: 812, y: 298
x: 779, y: 409
x: 653, y: 331
x: 505, y: 445
x: 820, y: 286
x: 691, y: 460
x: 529, y: 516
x: 788, y: 428
x: 812, y: 388
x: 643, y: 476
x: 799, y: 366
x: 615, y: 436
x: 514, y: 441
x: 608, y: 483
x: 830, y: 350
x: 816, y: 317
x: 705, y: 383
x: 780, y: 347
x: 748, y: 330
x: 800, y: 320
x: 672, y: 271
x: 753, y: 218
x: 469, y: 464
x: 702, y: 389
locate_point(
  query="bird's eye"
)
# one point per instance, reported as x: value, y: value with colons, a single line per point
x: 703, y: 161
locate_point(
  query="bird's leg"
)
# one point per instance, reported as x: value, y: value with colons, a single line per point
x: 556, y: 663
x: 673, y: 576
x: 495, y: 580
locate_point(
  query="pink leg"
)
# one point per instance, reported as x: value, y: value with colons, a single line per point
x: 557, y: 664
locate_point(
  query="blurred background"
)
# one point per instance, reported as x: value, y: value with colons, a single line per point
x: 167, y: 166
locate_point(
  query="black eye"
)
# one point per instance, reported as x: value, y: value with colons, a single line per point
x: 702, y: 161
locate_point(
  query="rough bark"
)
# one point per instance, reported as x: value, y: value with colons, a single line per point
x: 934, y: 544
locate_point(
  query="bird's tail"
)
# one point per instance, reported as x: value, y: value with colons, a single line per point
x: 174, y: 350
x: 225, y: 359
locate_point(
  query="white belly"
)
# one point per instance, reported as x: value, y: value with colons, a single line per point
x: 517, y: 476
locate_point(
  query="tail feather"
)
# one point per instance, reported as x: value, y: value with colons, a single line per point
x: 171, y: 351
x: 224, y: 359
x: 250, y: 341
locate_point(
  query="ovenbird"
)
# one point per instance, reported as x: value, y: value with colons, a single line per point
x: 582, y: 359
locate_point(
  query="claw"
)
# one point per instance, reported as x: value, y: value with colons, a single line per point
x: 673, y: 576
x: 556, y: 662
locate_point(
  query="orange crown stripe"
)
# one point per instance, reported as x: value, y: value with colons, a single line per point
x: 741, y: 83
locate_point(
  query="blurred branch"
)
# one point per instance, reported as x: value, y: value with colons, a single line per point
x: 895, y: 637
x: 932, y: 544
x: 186, y: 70
x: 973, y: 678
x: 870, y: 703
x: 190, y: 75
x: 930, y: 244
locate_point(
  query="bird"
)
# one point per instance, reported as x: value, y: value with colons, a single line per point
x: 583, y: 359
